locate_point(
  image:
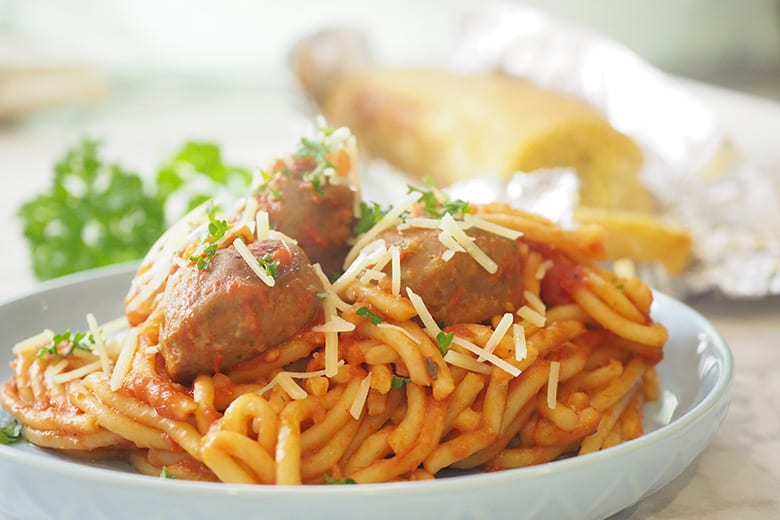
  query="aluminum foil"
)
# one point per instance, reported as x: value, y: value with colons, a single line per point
x: 731, y: 207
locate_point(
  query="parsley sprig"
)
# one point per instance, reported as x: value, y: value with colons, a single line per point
x: 436, y: 204
x: 165, y: 474
x: 318, y: 151
x: 11, y: 432
x: 268, y: 263
x: 75, y: 341
x: 370, y: 214
x: 217, y: 229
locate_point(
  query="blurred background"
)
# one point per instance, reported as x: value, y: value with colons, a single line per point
x: 146, y: 75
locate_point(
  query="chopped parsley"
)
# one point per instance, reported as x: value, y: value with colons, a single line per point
x: 317, y: 151
x: 363, y: 312
x: 331, y: 480
x: 268, y: 263
x: 217, y: 230
x: 75, y: 341
x: 10, y: 432
x: 164, y: 473
x: 398, y: 381
x: 97, y: 212
x: 436, y: 204
x: 322, y: 295
x: 370, y: 214
x: 443, y: 340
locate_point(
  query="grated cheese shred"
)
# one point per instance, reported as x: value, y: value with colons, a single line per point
x: 35, y: 342
x: 124, y: 362
x: 78, y: 372
x: 463, y: 361
x: 251, y: 261
x: 100, y: 345
x: 532, y: 316
x: 498, y: 334
x: 449, y: 225
x: 360, y: 398
x: 552, y: 384
x: 521, y: 348
x: 497, y: 229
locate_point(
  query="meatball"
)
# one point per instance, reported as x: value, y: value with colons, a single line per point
x: 320, y: 218
x: 460, y: 290
x: 216, y: 317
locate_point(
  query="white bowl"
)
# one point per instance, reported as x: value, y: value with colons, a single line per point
x: 696, y: 376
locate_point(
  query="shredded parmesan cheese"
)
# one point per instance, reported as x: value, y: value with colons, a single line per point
x: 384, y: 223
x: 492, y: 358
x: 292, y: 388
x: 370, y: 255
x: 295, y: 375
x: 420, y: 222
x: 251, y: 261
x: 335, y: 324
x: 552, y: 384
x: 534, y: 302
x: 463, y: 361
x: 429, y: 324
x: 541, y: 271
x: 37, y: 342
x: 433, y: 330
x: 326, y: 285
x: 395, y: 270
x: 360, y: 398
x: 532, y: 316
x: 78, y: 372
x: 53, y: 370
x: 497, y: 229
x: 124, y: 362
x: 449, y: 225
x: 100, y: 346
x: 521, y: 349
x: 262, y: 225
x: 498, y: 334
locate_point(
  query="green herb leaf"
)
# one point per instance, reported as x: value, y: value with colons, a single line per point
x: 164, y: 473
x: 268, y: 263
x: 75, y: 341
x: 95, y: 213
x: 331, y: 480
x: 436, y: 204
x: 443, y: 340
x: 203, y: 161
x: 398, y: 381
x: 318, y: 151
x: 365, y: 313
x: 11, y: 432
x: 370, y: 214
x: 322, y: 295
x: 217, y: 229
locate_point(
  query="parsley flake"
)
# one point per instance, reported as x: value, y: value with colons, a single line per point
x: 217, y: 229
x: 164, y: 473
x: 268, y: 263
x: 365, y: 313
x: 75, y: 341
x: 11, y: 432
x: 443, y: 340
x: 331, y: 480
x: 370, y: 214
x: 436, y: 204
x: 398, y: 381
x: 317, y: 151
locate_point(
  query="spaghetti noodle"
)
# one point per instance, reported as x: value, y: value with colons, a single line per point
x: 492, y: 341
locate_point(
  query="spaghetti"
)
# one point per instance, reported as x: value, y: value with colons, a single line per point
x: 492, y: 341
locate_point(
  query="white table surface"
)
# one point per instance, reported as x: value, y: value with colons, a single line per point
x: 737, y: 476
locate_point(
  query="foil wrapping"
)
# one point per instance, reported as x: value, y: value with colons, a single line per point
x: 731, y: 207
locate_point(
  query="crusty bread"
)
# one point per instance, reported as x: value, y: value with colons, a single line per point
x: 452, y: 127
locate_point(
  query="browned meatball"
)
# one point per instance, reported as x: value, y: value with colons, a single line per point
x: 319, y: 218
x: 224, y: 314
x: 460, y: 290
